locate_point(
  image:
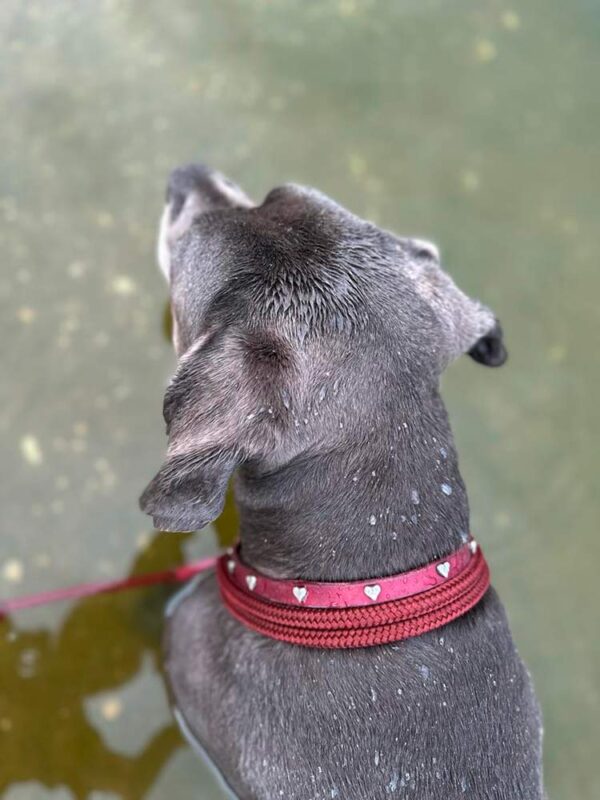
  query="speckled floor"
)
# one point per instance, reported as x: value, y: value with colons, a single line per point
x: 474, y: 124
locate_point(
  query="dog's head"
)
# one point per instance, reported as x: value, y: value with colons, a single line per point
x: 296, y: 325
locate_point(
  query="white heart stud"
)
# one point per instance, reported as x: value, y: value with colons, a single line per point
x: 444, y: 569
x: 473, y: 546
x: 372, y: 591
x: 300, y: 593
x: 251, y: 581
x: 230, y: 566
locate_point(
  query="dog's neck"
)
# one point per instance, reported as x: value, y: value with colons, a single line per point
x: 382, y: 504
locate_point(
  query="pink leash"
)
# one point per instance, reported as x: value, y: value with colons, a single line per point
x: 173, y: 575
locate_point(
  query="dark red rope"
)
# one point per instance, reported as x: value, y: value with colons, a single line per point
x: 340, y: 628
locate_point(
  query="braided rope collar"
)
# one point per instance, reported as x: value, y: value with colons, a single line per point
x: 354, y: 613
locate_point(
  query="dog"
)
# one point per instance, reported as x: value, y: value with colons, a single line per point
x: 310, y: 345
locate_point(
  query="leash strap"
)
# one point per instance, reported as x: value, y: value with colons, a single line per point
x: 174, y: 575
x: 357, y: 626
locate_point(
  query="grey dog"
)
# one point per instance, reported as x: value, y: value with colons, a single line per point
x: 310, y: 345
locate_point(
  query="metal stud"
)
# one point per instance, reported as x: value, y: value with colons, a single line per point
x: 300, y: 593
x: 443, y: 569
x: 372, y: 591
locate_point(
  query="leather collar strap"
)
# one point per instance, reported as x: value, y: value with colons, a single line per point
x: 356, y: 613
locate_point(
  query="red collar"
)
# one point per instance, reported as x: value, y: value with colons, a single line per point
x: 355, y: 613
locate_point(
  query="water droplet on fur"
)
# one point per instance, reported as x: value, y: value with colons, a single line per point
x: 393, y: 784
x: 446, y: 489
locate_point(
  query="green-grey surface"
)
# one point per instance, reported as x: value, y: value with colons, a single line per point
x: 471, y: 123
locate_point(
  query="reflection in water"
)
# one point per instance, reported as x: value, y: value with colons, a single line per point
x: 47, y: 679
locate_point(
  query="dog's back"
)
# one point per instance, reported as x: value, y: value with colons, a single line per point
x: 449, y: 714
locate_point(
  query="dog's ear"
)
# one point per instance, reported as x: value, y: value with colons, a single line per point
x: 473, y: 329
x: 467, y: 326
x: 489, y: 349
x: 188, y: 492
x: 210, y: 410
